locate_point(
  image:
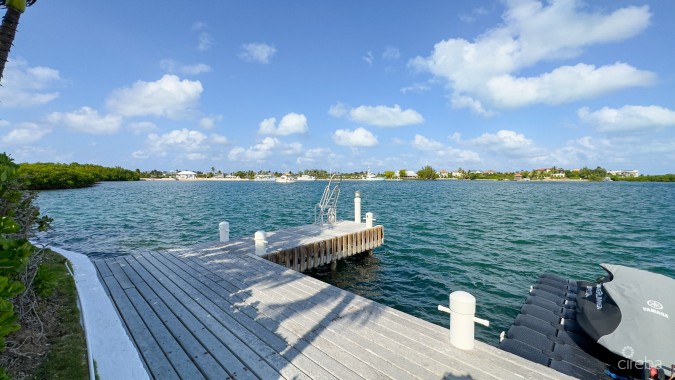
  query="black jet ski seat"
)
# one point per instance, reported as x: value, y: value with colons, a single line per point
x: 578, y: 327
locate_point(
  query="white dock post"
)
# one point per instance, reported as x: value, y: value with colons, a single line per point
x: 462, y: 318
x: 357, y: 207
x: 463, y: 308
x: 224, y: 228
x: 260, y: 243
x: 369, y: 220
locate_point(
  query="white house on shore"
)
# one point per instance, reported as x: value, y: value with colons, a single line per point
x: 186, y: 175
x: 624, y: 173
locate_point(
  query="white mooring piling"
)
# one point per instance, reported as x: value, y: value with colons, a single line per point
x: 357, y: 207
x: 462, y: 318
x: 224, y: 228
x: 369, y: 220
x: 260, y: 243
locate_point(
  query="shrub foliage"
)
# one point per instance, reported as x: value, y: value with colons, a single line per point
x: 19, y: 260
x: 50, y: 176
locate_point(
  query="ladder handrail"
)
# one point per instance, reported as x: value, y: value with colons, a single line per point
x: 326, y: 209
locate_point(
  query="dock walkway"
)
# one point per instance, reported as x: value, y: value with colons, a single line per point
x: 213, y: 312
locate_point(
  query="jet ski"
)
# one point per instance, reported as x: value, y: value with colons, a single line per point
x: 621, y: 326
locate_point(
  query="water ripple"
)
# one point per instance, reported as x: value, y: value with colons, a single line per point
x: 492, y: 239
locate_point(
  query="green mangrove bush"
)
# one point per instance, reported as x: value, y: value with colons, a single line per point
x: 19, y: 263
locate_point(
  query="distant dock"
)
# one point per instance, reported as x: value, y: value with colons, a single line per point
x: 306, y: 247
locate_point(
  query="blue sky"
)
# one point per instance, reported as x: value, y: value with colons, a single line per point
x: 347, y: 85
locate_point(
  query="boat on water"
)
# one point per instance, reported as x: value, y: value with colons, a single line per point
x: 618, y: 327
x: 371, y: 177
x: 285, y: 178
x: 306, y: 177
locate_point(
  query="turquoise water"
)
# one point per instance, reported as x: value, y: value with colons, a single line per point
x: 492, y: 239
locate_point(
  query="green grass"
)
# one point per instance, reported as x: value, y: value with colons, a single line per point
x: 67, y: 358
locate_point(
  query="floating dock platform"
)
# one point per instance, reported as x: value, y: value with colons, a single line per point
x: 220, y: 311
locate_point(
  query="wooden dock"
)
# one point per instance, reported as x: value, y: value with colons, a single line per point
x: 218, y: 312
x: 306, y: 247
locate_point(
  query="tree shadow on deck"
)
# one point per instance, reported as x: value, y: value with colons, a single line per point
x: 342, y: 333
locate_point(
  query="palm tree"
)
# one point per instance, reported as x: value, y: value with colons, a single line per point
x: 8, y: 29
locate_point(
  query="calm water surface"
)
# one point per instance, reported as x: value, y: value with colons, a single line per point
x: 492, y: 239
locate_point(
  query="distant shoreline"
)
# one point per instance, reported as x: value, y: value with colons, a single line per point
x: 358, y: 179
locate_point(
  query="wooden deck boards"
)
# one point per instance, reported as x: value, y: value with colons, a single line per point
x: 209, y: 312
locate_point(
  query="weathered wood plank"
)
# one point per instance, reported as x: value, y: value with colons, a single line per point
x: 232, y: 353
x: 119, y: 274
x: 257, y: 314
x: 271, y: 346
x: 179, y: 359
x: 153, y: 357
x: 102, y: 268
x: 131, y: 274
x: 324, y: 317
x: 303, y: 312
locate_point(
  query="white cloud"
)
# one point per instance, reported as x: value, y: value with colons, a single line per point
x: 268, y: 147
x: 171, y: 66
x: 291, y: 123
x: 183, y: 139
x: 463, y: 101
x: 257, y: 52
x: 446, y: 154
x: 339, y: 109
x: 87, y: 120
x: 199, y: 25
x: 422, y: 143
x: 628, y: 118
x: 169, y: 97
x: 197, y: 68
x: 368, y: 58
x: 379, y: 116
x: 459, y: 155
x: 140, y: 154
x: 502, y: 139
x: 25, y: 86
x: 190, y: 144
x: 473, y: 15
x: 508, y: 143
x: 506, y: 91
x: 218, y: 139
x: 533, y: 32
x: 24, y: 133
x: 360, y: 137
x: 195, y: 156
x: 391, y: 53
x: 417, y: 88
x: 142, y: 127
x: 320, y: 156
x: 209, y: 122
x: 205, y: 41
x: 36, y: 153
x: 268, y: 126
